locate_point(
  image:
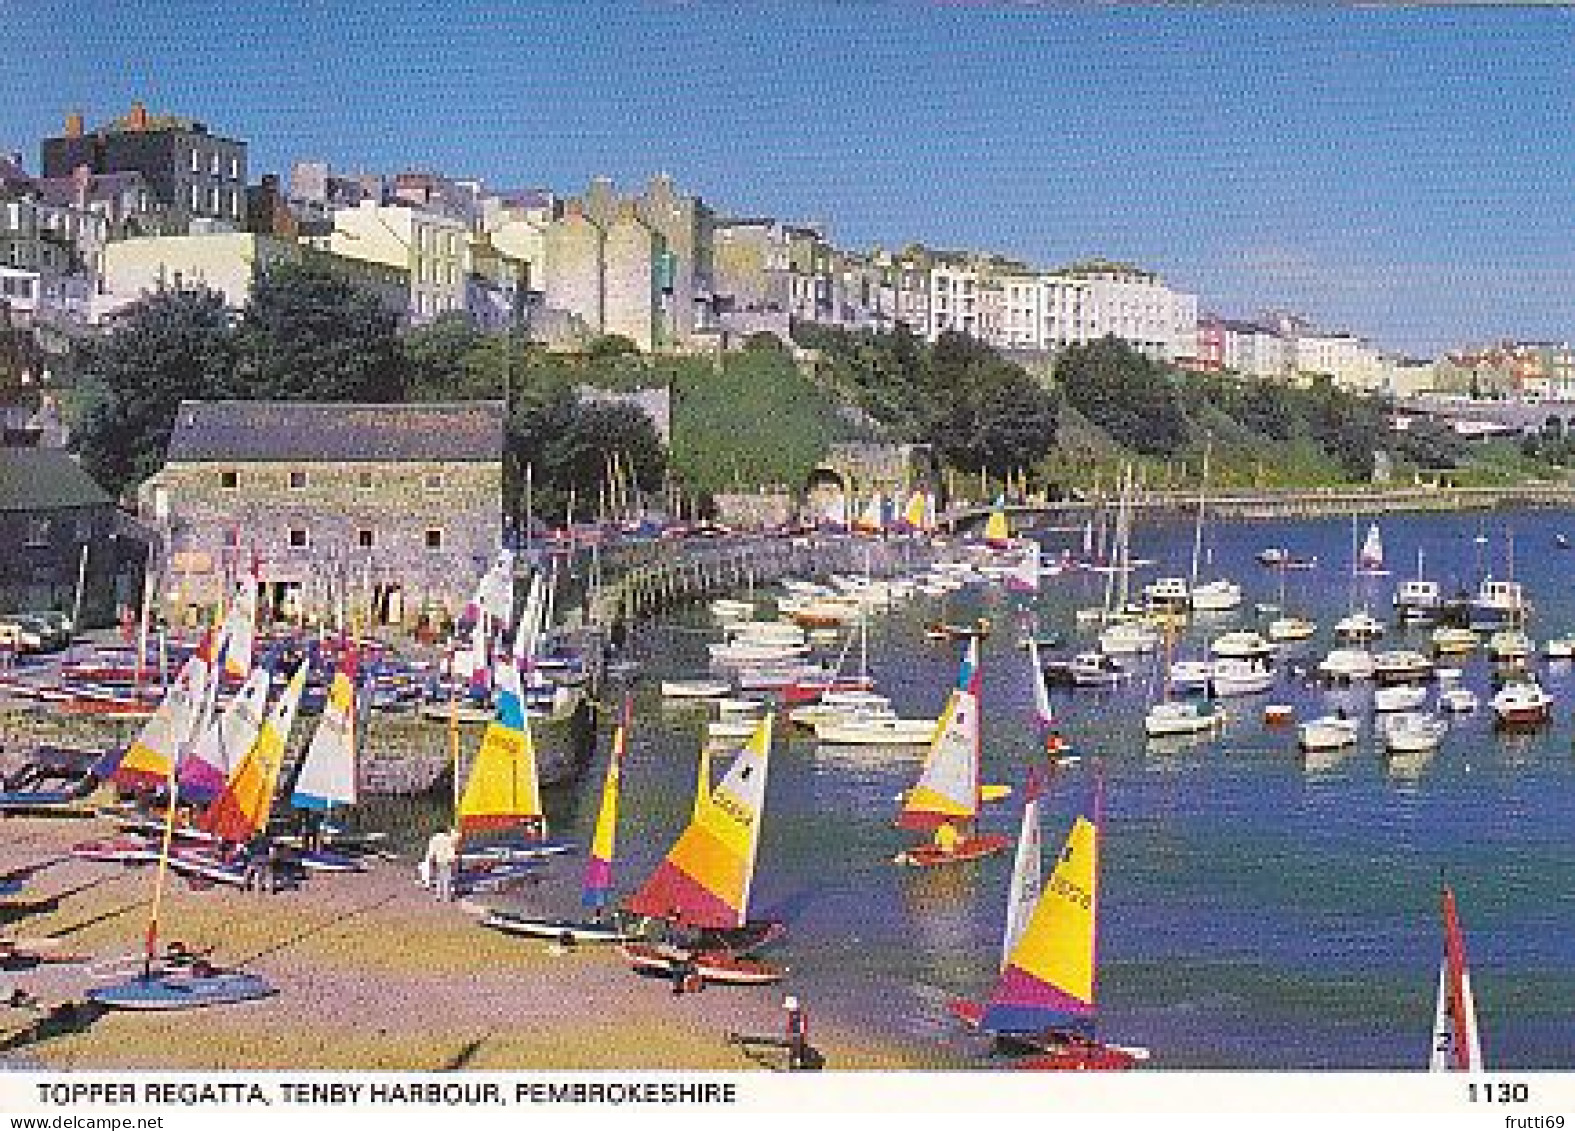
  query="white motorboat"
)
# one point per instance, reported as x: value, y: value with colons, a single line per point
x: 725, y: 608
x: 1181, y: 717
x: 1417, y: 601
x: 1167, y: 594
x: 1241, y: 677
x: 740, y: 706
x: 1094, y: 669
x: 876, y: 730
x: 1359, y: 626
x: 1216, y: 596
x: 1509, y: 646
x: 1283, y: 629
x: 1128, y: 638
x: 1191, y: 675
x: 1400, y: 697
x: 1347, y: 663
x: 1458, y: 700
x: 1521, y: 702
x: 1449, y: 641
x: 695, y: 688
x: 1401, y: 665
x: 1412, y: 732
x: 1498, y: 603
x: 1560, y: 648
x: 1242, y: 645
x: 1329, y: 732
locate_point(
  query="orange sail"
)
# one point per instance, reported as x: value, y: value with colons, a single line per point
x: 704, y: 880
x: 242, y: 810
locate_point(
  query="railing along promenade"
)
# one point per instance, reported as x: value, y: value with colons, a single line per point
x: 1286, y: 504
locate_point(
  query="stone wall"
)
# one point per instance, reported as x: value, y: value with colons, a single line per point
x: 215, y: 529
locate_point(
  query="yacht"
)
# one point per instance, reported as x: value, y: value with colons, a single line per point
x: 1413, y: 732
x: 1521, y: 702
x: 1498, y: 603
x: 1560, y: 648
x: 1401, y: 665
x: 1241, y: 677
x: 1418, y: 601
x: 1181, y: 717
x: 1242, y: 645
x: 1167, y: 594
x: 1449, y: 641
x: 1191, y: 675
x: 1216, y: 596
x: 1328, y: 733
x: 1347, y: 663
x: 1359, y: 626
x: 1400, y: 697
x: 1286, y: 629
x: 1127, y: 638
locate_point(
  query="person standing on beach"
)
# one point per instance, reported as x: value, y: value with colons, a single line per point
x: 797, y: 1032
x: 441, y: 862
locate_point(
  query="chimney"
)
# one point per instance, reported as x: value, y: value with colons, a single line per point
x: 74, y: 124
x: 137, y: 120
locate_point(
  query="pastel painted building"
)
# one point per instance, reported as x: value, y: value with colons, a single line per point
x: 434, y: 250
x: 632, y: 258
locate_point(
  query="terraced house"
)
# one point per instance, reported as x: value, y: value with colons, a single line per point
x: 368, y: 511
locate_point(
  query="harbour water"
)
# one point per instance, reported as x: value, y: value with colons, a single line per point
x: 1260, y: 908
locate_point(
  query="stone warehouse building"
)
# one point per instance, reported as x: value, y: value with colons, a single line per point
x: 371, y: 511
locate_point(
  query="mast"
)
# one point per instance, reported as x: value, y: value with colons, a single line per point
x: 1197, y: 527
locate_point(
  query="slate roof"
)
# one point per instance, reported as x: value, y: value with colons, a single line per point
x: 276, y: 431
x: 45, y: 479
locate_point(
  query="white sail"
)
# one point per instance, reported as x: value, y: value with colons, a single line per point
x: 328, y: 768
x: 1026, y: 877
x: 1372, y: 556
x: 1447, y: 1035
x: 232, y: 733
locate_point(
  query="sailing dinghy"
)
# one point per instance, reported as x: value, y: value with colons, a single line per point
x: 1043, y: 1001
x: 598, y: 869
x: 327, y: 776
x: 1457, y: 1044
x: 703, y: 884
x: 945, y: 802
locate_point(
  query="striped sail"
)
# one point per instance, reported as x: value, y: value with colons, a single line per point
x: 1024, y: 891
x: 151, y: 758
x: 242, y: 810
x: 598, y: 869
x: 704, y: 880
x: 1457, y: 1045
x: 1048, y: 979
x: 948, y: 787
x: 327, y: 776
x: 226, y: 740
x: 502, y: 790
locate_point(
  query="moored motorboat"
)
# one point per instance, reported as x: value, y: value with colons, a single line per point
x: 1560, y: 648
x: 1328, y: 733
x: 1521, y: 703
x: 1181, y: 717
x: 1359, y: 626
x: 1241, y: 677
x: 1399, y: 697
x: 1454, y: 641
x: 1242, y: 645
x: 1401, y: 665
x: 1216, y: 596
x: 1291, y: 628
x: 1413, y: 731
x: 1128, y: 638
x: 1509, y: 646
x: 1347, y: 664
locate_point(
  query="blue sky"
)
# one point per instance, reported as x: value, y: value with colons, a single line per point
x: 1405, y: 173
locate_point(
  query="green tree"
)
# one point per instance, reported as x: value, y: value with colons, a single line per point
x: 309, y: 334
x: 168, y: 347
x: 1131, y: 397
x: 569, y: 446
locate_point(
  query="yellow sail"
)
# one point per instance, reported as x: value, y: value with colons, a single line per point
x: 503, y: 790
x: 242, y: 810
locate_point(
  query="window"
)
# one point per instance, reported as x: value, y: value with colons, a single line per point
x: 434, y: 539
x: 364, y: 538
x: 213, y: 202
x: 235, y: 168
x: 297, y: 480
x: 38, y: 532
x: 363, y: 480
x: 195, y: 196
x: 235, y: 203
x: 434, y: 480
x: 213, y: 163
x: 229, y: 480
x: 298, y: 538
x: 196, y: 161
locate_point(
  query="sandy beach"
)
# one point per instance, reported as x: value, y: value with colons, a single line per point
x: 372, y: 973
